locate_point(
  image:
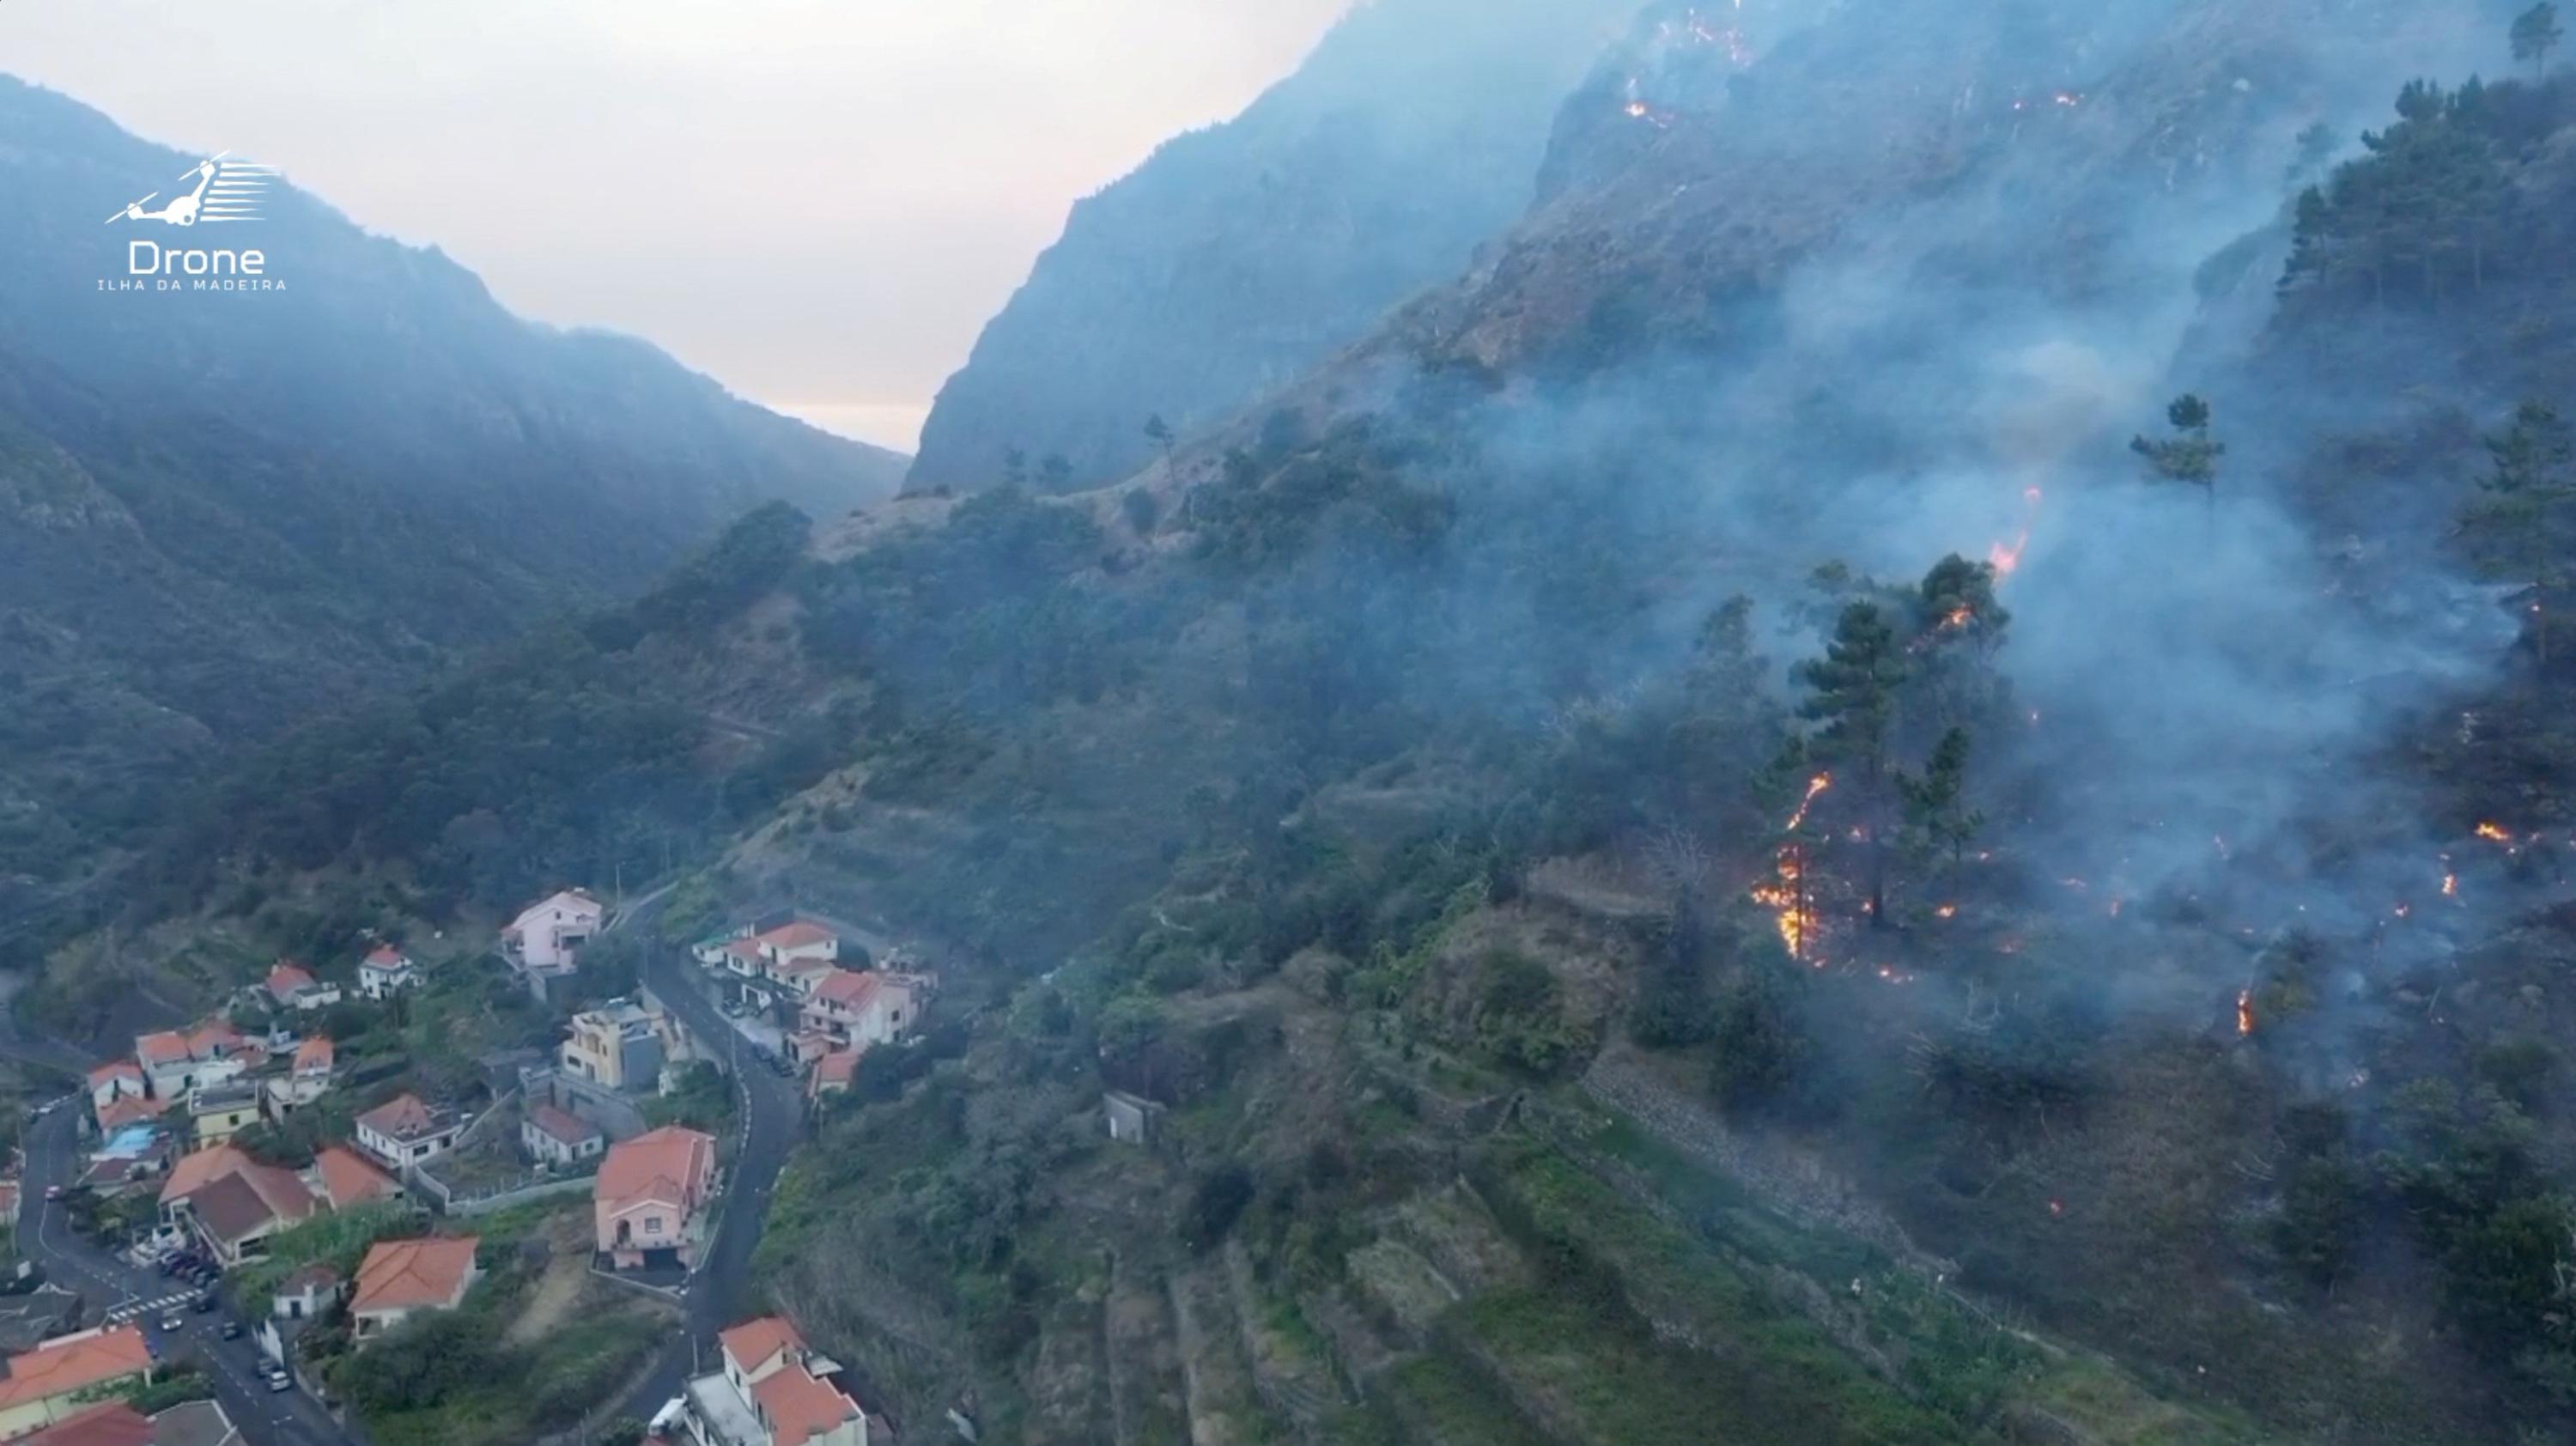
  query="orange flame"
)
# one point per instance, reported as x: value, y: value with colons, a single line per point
x: 1785, y: 893
x: 2244, y: 1011
x: 2450, y: 886
x: 2495, y: 832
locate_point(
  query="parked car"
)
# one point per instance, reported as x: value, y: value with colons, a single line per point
x: 279, y: 1380
x: 204, y: 1302
x: 232, y: 1330
x: 53, y: 1192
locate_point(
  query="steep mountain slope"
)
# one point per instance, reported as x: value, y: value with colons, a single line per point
x: 224, y: 511
x: 2103, y: 993
x: 1239, y: 256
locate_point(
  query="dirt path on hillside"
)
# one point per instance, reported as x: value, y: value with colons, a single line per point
x: 567, y: 1273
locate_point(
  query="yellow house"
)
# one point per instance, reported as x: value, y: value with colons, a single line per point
x: 218, y: 1112
x: 68, y: 1374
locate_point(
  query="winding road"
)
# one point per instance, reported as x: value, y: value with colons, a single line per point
x: 772, y: 1112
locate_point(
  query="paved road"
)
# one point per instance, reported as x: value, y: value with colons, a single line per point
x: 772, y: 1111
x: 108, y: 1283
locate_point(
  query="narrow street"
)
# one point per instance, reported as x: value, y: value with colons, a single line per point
x: 772, y: 1110
x: 108, y: 1284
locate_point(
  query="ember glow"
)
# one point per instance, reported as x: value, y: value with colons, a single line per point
x: 2494, y: 832
x: 2244, y: 1011
x: 1785, y: 893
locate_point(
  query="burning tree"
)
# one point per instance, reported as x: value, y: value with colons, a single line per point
x: 2519, y: 520
x: 1855, y: 685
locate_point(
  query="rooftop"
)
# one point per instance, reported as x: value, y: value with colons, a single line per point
x: 71, y: 1363
x: 405, y: 1118
x: 350, y: 1178
x: 667, y: 1164
x: 562, y: 1124
x: 799, y: 935
x: 755, y: 1341
x: 408, y: 1274
x: 111, y: 1423
x: 800, y: 1407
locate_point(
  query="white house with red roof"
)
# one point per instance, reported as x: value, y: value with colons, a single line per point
x: 401, y: 1278
x: 292, y: 986
x: 861, y: 1007
x: 385, y: 972
x: 772, y: 1390
x: 405, y: 1131
x: 177, y: 1061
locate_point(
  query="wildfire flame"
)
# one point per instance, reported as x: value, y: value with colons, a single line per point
x: 2495, y: 832
x: 1946, y: 911
x: 2450, y: 886
x: 2244, y: 1011
x: 1785, y: 892
x: 2004, y: 557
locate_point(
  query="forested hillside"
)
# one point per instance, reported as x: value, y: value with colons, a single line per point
x: 225, y: 513
x: 1900, y: 777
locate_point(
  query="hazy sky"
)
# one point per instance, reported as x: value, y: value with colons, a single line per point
x: 817, y: 201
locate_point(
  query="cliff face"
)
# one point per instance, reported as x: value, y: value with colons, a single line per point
x: 1238, y: 257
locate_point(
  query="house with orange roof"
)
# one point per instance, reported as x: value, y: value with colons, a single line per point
x: 834, y: 1072
x: 67, y: 1374
x: 232, y: 1202
x: 177, y: 1061
x: 349, y: 1179
x: 386, y: 972
x: 801, y: 939
x: 652, y: 1197
x: 553, y: 1135
x: 772, y: 1390
x: 307, y: 1079
x: 116, y: 1080
x: 131, y: 1110
x: 861, y: 1007
x: 406, y: 1130
x: 292, y: 986
x: 400, y: 1278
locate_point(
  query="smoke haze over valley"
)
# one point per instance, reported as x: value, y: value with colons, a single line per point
x: 1844, y: 718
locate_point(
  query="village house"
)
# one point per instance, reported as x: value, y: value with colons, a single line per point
x: 834, y: 1072
x: 401, y: 1277
x: 233, y: 1203
x: 307, y: 1079
x: 406, y: 1131
x: 118, y: 1079
x: 349, y: 1179
x: 650, y: 1202
x: 799, y: 940
x: 772, y: 1390
x: 176, y: 1061
x: 385, y: 972
x: 291, y: 986
x: 620, y: 1045
x: 556, y: 1136
x: 548, y: 934
x: 860, y: 1008
x: 217, y: 1112
x: 306, y: 1294
x: 68, y: 1374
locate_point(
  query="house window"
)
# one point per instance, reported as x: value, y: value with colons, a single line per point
x: 652, y: 1224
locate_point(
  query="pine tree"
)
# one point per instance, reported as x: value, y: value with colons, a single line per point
x: 2190, y: 455
x: 1159, y: 432
x: 2536, y: 32
x: 2520, y: 519
x: 1936, y: 812
x: 1854, y: 697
